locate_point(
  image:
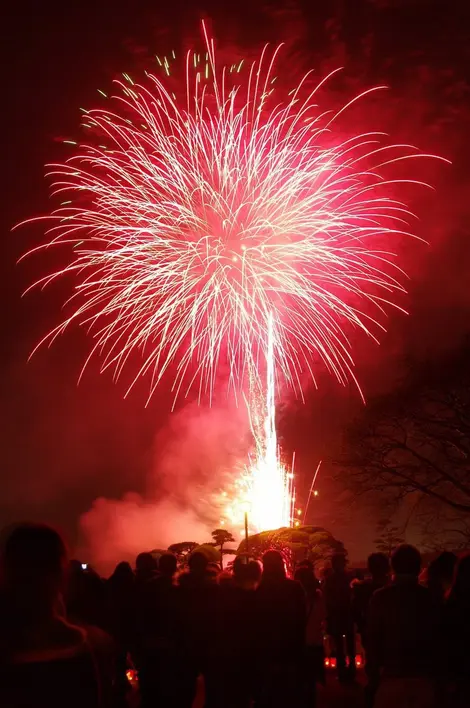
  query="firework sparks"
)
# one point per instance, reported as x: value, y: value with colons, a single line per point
x: 228, y: 228
x: 192, y: 224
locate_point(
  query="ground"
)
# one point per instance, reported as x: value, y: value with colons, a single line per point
x: 337, y: 696
x: 334, y: 695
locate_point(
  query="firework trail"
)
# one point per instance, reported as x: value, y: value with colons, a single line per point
x: 193, y: 223
x: 265, y: 488
x: 271, y: 493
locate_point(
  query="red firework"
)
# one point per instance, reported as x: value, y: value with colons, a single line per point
x: 194, y: 225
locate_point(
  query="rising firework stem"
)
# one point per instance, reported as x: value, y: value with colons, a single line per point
x: 265, y: 489
x: 273, y: 498
x: 226, y: 229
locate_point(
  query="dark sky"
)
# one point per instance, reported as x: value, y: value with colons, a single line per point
x: 62, y: 445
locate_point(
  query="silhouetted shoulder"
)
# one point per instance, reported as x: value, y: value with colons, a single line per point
x: 395, y: 592
x: 381, y: 594
x: 295, y: 587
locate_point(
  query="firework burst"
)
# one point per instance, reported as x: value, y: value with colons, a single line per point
x: 195, y: 223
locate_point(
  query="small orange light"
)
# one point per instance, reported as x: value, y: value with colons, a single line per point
x: 315, y: 493
x: 132, y: 676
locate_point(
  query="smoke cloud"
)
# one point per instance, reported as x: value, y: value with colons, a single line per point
x: 196, y: 454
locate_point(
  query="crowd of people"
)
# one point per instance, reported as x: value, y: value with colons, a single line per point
x: 254, y: 635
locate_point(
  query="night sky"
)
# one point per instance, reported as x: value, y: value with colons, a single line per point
x: 61, y: 446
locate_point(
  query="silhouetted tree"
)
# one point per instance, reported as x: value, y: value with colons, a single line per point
x: 182, y: 550
x: 304, y: 542
x: 389, y: 537
x: 419, y: 444
x: 221, y: 537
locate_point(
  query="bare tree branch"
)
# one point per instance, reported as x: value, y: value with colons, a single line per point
x: 417, y: 444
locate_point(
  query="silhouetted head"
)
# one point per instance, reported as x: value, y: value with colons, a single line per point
x: 441, y: 569
x: 306, y: 577
x: 273, y: 566
x: 461, y: 585
x: 338, y: 562
x: 123, y: 574
x: 246, y: 573
x: 306, y: 564
x: 167, y: 564
x: 33, y: 564
x: 240, y: 567
x: 378, y: 566
x: 75, y: 566
x: 145, y: 565
x: 406, y: 560
x: 198, y: 563
x: 253, y: 573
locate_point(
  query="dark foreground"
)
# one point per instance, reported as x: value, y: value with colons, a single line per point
x: 336, y: 695
x: 333, y: 695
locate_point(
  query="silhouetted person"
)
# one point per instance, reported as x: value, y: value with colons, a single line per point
x: 120, y: 598
x: 84, y: 596
x: 155, y: 642
x: 230, y: 672
x: 146, y: 574
x: 440, y: 574
x: 122, y: 576
x: 146, y: 567
x: 340, y: 622
x: 403, y: 636
x: 197, y: 597
x: 197, y: 574
x: 315, y: 626
x: 457, y: 634
x: 379, y: 569
x: 167, y: 566
x: 246, y: 573
x: 253, y: 575
x: 280, y: 620
x: 120, y: 603
x: 45, y: 662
